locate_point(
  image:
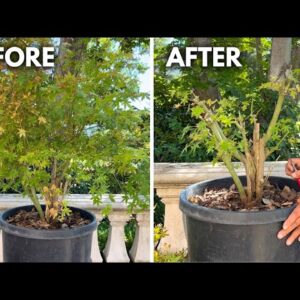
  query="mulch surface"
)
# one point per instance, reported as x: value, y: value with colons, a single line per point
x: 229, y: 199
x: 31, y: 219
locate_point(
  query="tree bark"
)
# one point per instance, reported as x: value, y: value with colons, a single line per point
x: 259, y: 161
x: 211, y: 92
x: 201, y: 42
x: 296, y: 57
x: 259, y: 58
x: 280, y: 57
x: 67, y: 45
x: 296, y: 60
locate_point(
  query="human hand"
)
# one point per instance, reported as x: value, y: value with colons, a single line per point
x: 292, y: 224
x: 292, y: 168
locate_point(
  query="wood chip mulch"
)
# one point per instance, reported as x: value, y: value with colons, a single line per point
x: 229, y: 199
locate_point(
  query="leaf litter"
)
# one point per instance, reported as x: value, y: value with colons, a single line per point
x: 229, y: 199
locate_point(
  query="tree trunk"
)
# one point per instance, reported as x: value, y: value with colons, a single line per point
x: 296, y: 57
x: 296, y: 60
x: 211, y: 92
x: 280, y: 57
x: 259, y: 161
x: 67, y: 46
x: 259, y: 59
x: 201, y: 42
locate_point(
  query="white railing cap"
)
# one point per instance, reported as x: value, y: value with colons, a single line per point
x: 79, y: 200
x: 187, y: 173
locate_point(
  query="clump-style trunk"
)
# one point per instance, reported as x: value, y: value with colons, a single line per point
x: 255, y: 159
x: 254, y: 166
x: 55, y: 193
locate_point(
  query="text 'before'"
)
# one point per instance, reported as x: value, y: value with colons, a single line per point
x: 15, y: 57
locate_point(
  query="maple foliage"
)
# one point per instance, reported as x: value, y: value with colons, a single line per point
x: 76, y: 125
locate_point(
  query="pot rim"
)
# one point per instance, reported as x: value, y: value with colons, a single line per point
x: 47, y: 234
x: 214, y: 215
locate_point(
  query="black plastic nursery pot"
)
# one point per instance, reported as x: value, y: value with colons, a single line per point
x: 42, y: 245
x: 215, y: 235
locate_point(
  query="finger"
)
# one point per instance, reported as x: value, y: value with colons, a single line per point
x: 292, y: 218
x: 295, y: 174
x: 293, y: 236
x: 288, y: 170
x: 289, y: 166
x: 284, y: 232
x: 296, y: 162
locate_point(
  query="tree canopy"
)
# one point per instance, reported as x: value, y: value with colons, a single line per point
x: 75, y: 124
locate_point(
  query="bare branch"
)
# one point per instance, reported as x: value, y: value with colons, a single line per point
x: 277, y: 111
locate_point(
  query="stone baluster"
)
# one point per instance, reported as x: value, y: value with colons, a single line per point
x: 95, y: 251
x: 140, y: 250
x: 174, y: 223
x: 115, y: 249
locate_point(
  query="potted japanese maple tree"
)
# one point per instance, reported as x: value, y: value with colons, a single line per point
x: 58, y: 127
x: 237, y: 218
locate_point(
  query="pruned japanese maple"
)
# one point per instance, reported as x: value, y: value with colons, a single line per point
x: 228, y: 134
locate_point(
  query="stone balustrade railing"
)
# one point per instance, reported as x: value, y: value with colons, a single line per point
x: 115, y: 249
x: 171, y: 178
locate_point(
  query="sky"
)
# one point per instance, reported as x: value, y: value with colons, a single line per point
x: 144, y: 78
x: 145, y: 81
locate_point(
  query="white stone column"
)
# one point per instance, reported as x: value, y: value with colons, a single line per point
x: 176, y: 239
x: 95, y: 251
x: 1, y: 247
x: 115, y: 249
x: 140, y: 250
x: 95, y: 254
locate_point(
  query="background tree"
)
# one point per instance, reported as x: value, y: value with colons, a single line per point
x: 241, y: 84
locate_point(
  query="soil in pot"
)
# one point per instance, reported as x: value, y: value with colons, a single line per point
x: 31, y: 219
x: 229, y: 198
